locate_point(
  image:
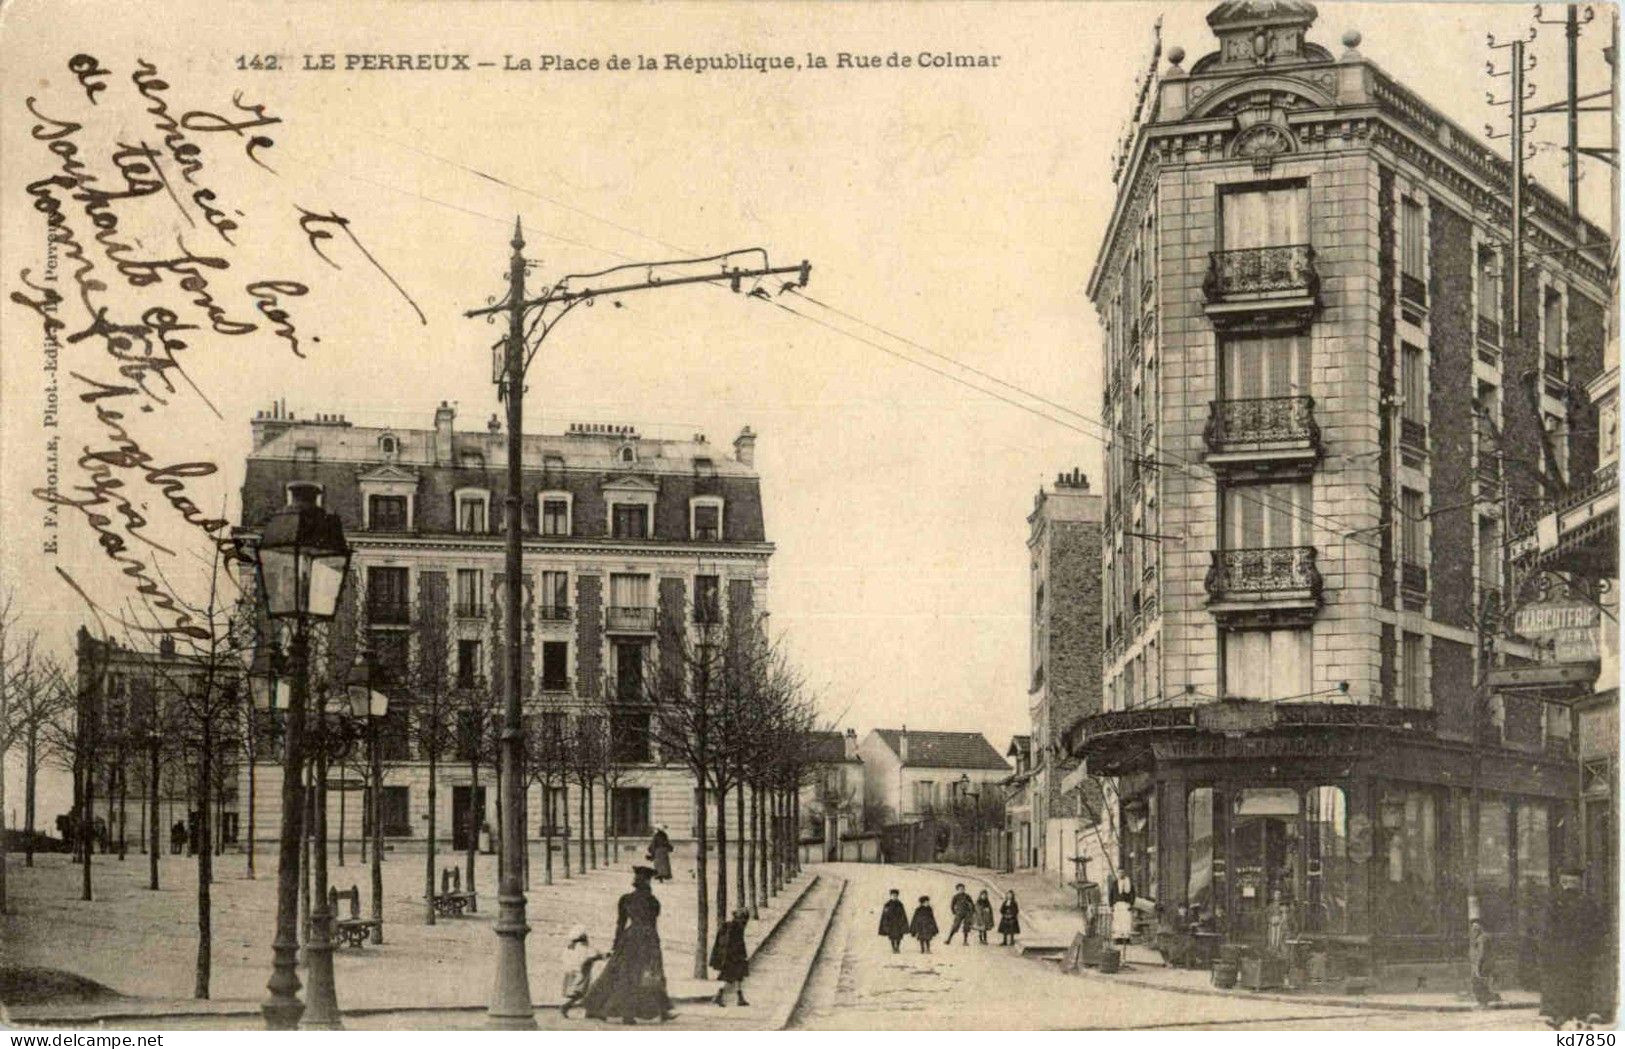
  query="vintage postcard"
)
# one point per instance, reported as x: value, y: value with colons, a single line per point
x: 732, y: 516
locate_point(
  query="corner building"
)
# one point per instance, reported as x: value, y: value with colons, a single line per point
x: 1304, y: 291
x: 618, y: 530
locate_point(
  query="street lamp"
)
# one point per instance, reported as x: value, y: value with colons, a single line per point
x: 975, y: 817
x: 366, y: 702
x: 301, y: 562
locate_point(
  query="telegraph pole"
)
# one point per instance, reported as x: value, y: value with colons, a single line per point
x: 510, y: 1007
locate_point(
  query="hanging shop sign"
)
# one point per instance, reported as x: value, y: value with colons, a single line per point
x: 1562, y: 631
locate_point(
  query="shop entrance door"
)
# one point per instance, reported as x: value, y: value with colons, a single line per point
x: 1265, y: 839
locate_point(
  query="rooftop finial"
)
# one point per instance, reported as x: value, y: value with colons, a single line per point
x: 518, y: 235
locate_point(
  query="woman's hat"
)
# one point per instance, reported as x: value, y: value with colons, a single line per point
x: 640, y: 871
x: 925, y: 899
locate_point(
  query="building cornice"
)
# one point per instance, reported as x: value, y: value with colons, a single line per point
x: 574, y: 547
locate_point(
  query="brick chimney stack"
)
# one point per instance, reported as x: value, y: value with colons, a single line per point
x: 444, y: 417
x: 745, y: 447
x: 902, y: 745
x: 851, y: 744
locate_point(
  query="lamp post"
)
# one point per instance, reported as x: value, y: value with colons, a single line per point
x: 301, y: 562
x: 362, y: 685
x: 974, y: 797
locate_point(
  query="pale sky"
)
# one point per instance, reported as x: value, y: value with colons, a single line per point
x: 960, y: 209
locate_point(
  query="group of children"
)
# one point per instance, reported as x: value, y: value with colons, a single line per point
x: 968, y: 915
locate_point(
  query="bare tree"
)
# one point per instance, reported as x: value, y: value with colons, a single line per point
x: 547, y: 765
x: 434, y: 707
x: 36, y: 693
x: 17, y: 680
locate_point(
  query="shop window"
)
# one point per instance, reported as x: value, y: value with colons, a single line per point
x: 1199, y: 892
x: 1410, y: 830
x: 1534, y: 863
x: 1327, y: 878
x: 1494, y: 859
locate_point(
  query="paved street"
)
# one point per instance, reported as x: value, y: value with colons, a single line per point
x: 859, y: 984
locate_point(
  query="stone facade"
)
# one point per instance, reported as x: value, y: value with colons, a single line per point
x: 620, y: 531
x: 1320, y: 414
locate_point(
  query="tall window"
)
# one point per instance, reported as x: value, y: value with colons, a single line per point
x: 1328, y: 886
x: 1413, y: 240
x: 630, y: 521
x: 1265, y: 217
x: 1199, y: 834
x: 1413, y: 684
x: 468, y: 663
x: 1411, y: 524
x: 555, y: 517
x: 1489, y: 295
x: 1268, y: 515
x: 707, y: 522
x: 1551, y: 328
x: 555, y: 666
x: 628, y: 591
x: 555, y: 595
x: 1268, y: 664
x: 1265, y: 366
x: 925, y: 795
x: 1489, y: 552
x: 1413, y: 385
x: 629, y: 735
x: 1410, y: 899
x: 471, y: 514
x: 386, y: 513
x: 386, y: 595
x: 707, y: 599
x: 470, y: 592
x: 629, y: 672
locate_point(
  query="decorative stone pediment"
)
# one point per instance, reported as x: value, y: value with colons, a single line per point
x: 631, y: 483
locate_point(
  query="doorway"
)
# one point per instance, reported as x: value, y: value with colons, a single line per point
x: 459, y: 815
x: 1265, y: 846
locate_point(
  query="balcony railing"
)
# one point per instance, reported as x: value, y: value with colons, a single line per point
x: 554, y: 613
x: 1413, y: 434
x: 1489, y: 330
x: 556, y: 684
x: 639, y: 618
x: 469, y: 609
x: 1260, y: 272
x: 1251, y: 421
x: 1263, y: 571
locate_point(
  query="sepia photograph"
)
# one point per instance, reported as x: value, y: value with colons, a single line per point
x: 716, y: 516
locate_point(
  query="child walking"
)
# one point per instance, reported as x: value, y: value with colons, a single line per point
x: 924, y: 925
x: 579, y: 958
x: 730, y: 958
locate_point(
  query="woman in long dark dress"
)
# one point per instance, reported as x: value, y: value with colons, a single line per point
x: 659, y: 854
x: 633, y: 983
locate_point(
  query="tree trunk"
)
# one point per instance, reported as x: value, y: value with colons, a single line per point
x: 87, y: 825
x: 564, y: 805
x: 344, y: 806
x: 123, y: 806
x: 750, y: 848
x: 152, y: 796
x: 205, y: 865
x: 428, y: 851
x: 30, y: 793
x: 592, y: 833
x: 248, y: 830
x: 475, y: 814
x: 581, y: 828
x: 761, y: 841
x: 547, y: 831
x: 702, y: 909
x: 795, y: 832
x: 739, y: 842
x: 376, y: 771
x: 722, y: 856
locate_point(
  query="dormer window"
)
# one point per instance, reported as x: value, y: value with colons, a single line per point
x: 627, y: 454
x: 389, y: 446
x: 287, y: 492
x: 629, y: 520
x: 705, y: 519
x: 473, y: 507
x: 304, y: 453
x: 555, y: 513
x: 471, y: 460
x: 387, y: 513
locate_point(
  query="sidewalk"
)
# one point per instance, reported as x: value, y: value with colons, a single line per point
x: 1050, y: 920
x: 143, y: 944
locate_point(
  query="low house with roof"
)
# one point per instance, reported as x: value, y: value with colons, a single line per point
x: 908, y: 774
x: 832, y: 790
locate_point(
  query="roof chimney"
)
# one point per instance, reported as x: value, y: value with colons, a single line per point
x: 745, y: 447
x: 851, y: 744
x: 902, y: 745
x: 444, y: 416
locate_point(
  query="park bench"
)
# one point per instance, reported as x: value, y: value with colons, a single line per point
x: 355, y: 930
x: 451, y: 901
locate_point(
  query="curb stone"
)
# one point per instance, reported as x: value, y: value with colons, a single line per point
x: 782, y: 1018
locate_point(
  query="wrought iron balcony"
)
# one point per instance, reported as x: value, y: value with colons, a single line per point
x: 630, y: 618
x: 1264, y: 573
x: 1489, y: 330
x: 554, y: 613
x: 1413, y: 434
x: 1260, y: 430
x: 469, y: 609
x: 1283, y: 274
x: 389, y: 613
